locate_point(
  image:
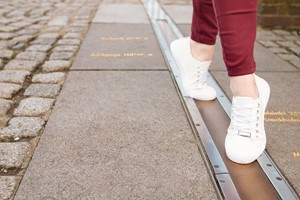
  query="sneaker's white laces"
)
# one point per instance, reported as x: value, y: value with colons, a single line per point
x: 244, y: 119
x: 201, y: 77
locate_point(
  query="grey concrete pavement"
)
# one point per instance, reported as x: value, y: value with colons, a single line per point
x: 117, y: 135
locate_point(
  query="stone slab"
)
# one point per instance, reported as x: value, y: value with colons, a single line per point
x: 181, y: 14
x: 117, y: 135
x: 119, y: 46
x: 265, y: 59
x: 130, y: 13
x: 282, y: 120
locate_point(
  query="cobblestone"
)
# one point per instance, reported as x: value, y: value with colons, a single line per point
x: 55, y: 77
x: 33, y: 106
x: 22, y: 127
x: 36, y: 56
x: 39, y: 48
x: 7, y: 186
x: 66, y: 48
x: 1, y: 63
x: 268, y: 43
x: 21, y: 65
x: 5, y: 105
x: 56, y: 65
x: 295, y: 50
x: 11, y: 76
x: 61, y: 56
x: 49, y: 35
x: 72, y: 36
x: 43, y: 90
x: 287, y: 44
x: 59, y: 21
x: 8, y: 54
x: 46, y: 41
x: 6, y: 36
x: 24, y: 38
x: 69, y: 42
x: 12, y: 155
x: 3, y: 121
x: 278, y: 50
x: 8, y: 90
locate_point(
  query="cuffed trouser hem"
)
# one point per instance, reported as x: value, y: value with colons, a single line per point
x: 203, y: 40
x: 240, y: 71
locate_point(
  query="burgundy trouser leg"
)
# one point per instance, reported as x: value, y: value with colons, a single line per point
x: 235, y: 20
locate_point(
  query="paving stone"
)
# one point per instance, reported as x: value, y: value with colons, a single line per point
x: 39, y: 48
x: 24, y: 38
x: 6, y: 36
x: 296, y: 63
x: 49, y: 35
x: 59, y: 21
x: 61, y: 56
x: 53, y: 29
x: 267, y: 43
x: 295, y: 50
x: 3, y: 121
x: 65, y: 48
x: 56, y: 65
x: 8, y: 90
x: 12, y: 76
x: 281, y: 32
x: 9, y: 28
x: 288, y: 57
x: 75, y: 29
x: 43, y: 90
x: 46, y: 41
x: 287, y: 43
x: 298, y: 42
x: 1, y: 63
x: 27, y: 32
x: 55, y: 77
x: 18, y: 46
x: 3, y: 44
x: 72, y: 36
x: 36, y: 56
x: 33, y: 106
x: 69, y: 42
x: 12, y: 154
x: 27, y: 65
x: 22, y: 127
x: 5, y: 105
x: 7, y: 186
x: 8, y: 54
x: 278, y: 50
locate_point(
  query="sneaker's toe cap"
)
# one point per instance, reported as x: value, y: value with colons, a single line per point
x: 243, y: 150
x: 205, y: 94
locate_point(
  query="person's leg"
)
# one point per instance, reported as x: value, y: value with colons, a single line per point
x: 193, y: 55
x: 246, y: 139
x: 204, y: 30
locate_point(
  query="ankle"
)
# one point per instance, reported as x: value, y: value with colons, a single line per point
x: 201, y: 52
x: 244, y: 86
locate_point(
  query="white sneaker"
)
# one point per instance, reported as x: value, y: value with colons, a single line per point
x: 193, y: 72
x: 246, y: 137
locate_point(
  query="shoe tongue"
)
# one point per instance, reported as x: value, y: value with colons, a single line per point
x: 243, y: 100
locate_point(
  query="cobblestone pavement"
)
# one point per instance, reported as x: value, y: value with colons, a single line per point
x: 38, y: 42
x: 286, y: 44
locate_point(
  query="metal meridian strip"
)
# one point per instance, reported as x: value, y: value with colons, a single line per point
x: 281, y: 185
x: 156, y: 14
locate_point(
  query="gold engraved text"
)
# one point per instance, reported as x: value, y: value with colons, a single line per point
x: 296, y: 154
